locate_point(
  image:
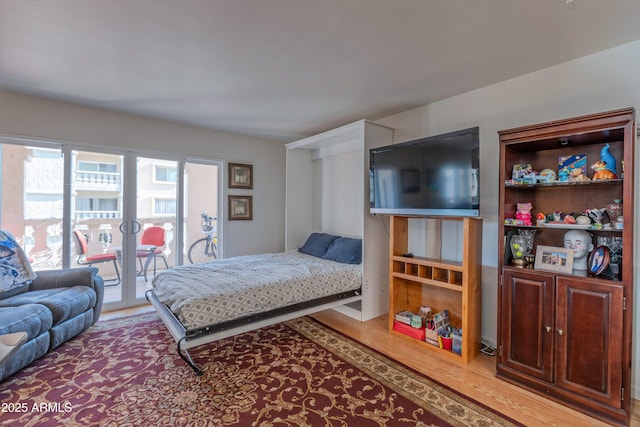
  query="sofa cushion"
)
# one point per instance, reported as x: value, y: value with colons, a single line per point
x: 64, y: 303
x: 68, y: 329
x: 34, y: 319
x: 18, y: 289
x: 15, y: 269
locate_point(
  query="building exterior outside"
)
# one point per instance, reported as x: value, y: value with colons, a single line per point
x: 32, y: 185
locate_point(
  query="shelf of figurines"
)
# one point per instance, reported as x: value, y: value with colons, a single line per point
x: 608, y: 218
x: 582, y: 253
x: 510, y: 183
x: 567, y: 227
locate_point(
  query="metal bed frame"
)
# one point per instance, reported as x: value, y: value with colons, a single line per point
x: 189, y: 338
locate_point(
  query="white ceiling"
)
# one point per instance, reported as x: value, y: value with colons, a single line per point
x: 284, y: 69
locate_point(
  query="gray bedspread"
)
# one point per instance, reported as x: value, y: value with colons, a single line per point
x: 206, y: 294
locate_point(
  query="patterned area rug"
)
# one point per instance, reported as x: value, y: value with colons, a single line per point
x: 126, y: 372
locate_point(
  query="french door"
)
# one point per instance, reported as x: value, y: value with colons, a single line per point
x: 123, y: 212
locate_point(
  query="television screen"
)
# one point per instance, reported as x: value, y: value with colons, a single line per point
x: 438, y: 175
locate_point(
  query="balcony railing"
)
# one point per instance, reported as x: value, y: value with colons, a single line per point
x: 104, y: 181
x: 42, y: 240
x: 81, y: 215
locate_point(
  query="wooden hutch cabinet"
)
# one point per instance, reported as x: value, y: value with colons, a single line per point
x: 568, y: 336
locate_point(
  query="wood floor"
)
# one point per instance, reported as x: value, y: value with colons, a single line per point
x: 476, y: 380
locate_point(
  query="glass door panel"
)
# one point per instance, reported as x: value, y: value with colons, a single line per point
x: 201, y: 237
x: 156, y: 211
x: 96, y: 214
x: 73, y: 207
x: 32, y: 187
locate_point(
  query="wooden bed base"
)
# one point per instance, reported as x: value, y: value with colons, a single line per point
x: 187, y: 339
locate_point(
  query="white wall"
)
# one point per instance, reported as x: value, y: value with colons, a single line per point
x: 604, y: 81
x: 337, y: 179
x: 43, y: 119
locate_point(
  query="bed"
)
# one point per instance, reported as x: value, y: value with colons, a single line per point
x: 206, y: 302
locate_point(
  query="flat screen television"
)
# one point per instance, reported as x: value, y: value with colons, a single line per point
x: 438, y: 176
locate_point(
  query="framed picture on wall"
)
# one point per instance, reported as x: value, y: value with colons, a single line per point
x: 240, y: 176
x: 240, y: 207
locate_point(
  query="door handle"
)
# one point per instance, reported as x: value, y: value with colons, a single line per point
x: 135, y: 227
x: 548, y: 328
x: 560, y: 332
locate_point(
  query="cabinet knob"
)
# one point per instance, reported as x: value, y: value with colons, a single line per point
x: 548, y: 328
x: 560, y: 332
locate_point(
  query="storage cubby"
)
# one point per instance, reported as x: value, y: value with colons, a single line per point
x: 439, y: 284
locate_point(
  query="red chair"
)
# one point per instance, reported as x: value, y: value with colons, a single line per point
x: 85, y: 259
x: 154, y: 236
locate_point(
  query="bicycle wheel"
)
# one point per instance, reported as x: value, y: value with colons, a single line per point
x: 202, y: 250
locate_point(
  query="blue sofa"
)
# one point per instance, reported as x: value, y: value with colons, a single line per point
x: 52, y: 308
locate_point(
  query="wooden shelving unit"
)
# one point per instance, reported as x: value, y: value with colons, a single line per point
x: 568, y: 336
x: 439, y: 284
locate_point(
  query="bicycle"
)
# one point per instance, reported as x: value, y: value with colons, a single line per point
x: 206, y: 248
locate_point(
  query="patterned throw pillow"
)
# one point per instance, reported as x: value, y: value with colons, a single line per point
x: 15, y: 269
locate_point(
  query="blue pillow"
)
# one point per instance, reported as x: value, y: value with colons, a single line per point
x: 15, y: 270
x: 345, y: 250
x: 317, y: 244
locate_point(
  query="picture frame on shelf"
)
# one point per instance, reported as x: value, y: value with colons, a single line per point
x: 519, y: 171
x: 240, y: 208
x: 572, y: 168
x: 240, y: 176
x: 552, y: 258
x: 599, y: 260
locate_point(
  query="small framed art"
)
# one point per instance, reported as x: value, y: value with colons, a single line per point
x: 599, y: 260
x: 240, y: 176
x: 553, y: 258
x: 240, y: 207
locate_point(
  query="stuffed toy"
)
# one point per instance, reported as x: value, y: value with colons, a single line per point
x: 601, y: 171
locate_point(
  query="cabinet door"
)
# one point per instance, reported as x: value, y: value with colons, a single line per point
x: 527, y: 316
x: 589, y: 338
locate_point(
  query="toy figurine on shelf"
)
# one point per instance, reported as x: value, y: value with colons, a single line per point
x: 530, y: 178
x: 554, y: 216
x: 600, y: 218
x: 546, y: 176
x: 523, y: 213
x: 601, y: 171
x: 578, y: 175
x: 608, y: 158
x: 563, y: 175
